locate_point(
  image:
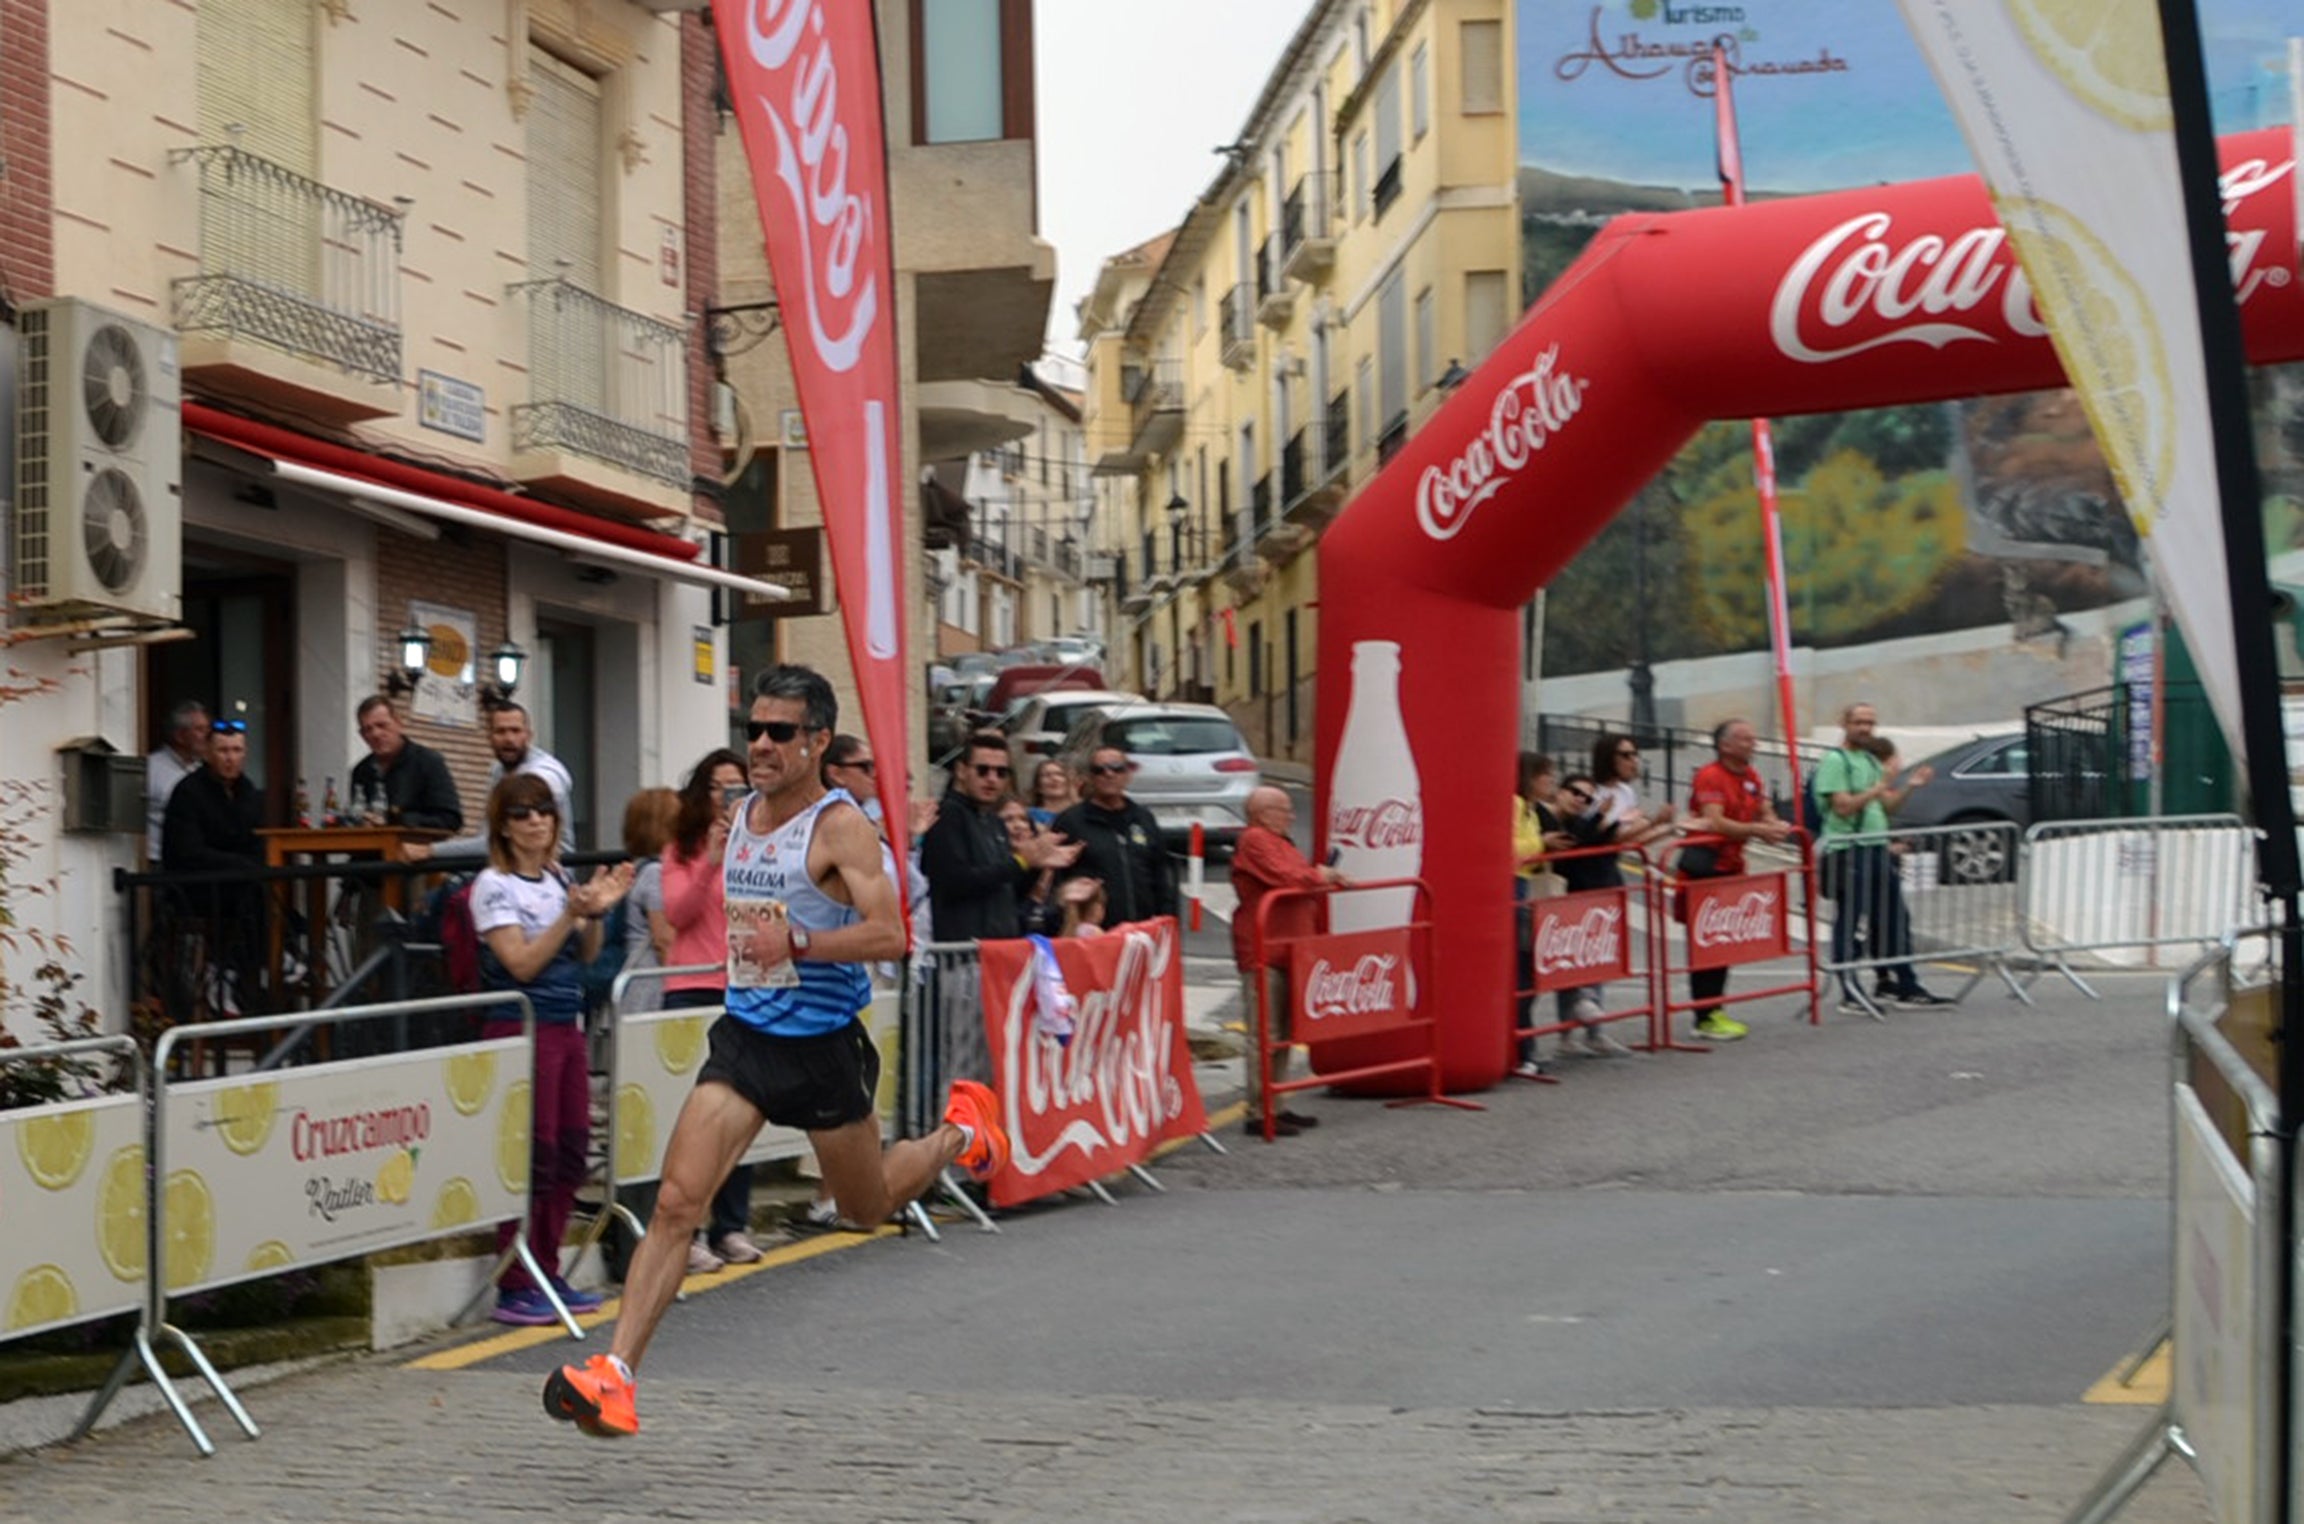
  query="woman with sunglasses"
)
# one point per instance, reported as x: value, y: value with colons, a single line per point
x: 697, y: 912
x: 848, y: 764
x: 537, y: 930
x: 1616, y: 771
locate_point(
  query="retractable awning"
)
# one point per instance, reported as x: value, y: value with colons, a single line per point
x: 356, y: 475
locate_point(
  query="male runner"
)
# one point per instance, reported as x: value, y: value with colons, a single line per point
x: 792, y: 1054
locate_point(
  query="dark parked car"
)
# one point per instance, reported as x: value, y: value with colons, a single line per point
x: 1984, y: 783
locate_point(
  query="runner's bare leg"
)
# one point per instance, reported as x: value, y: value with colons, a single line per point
x: 716, y: 1125
x: 871, y: 1185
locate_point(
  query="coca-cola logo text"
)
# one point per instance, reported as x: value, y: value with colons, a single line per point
x: 1114, y: 1084
x: 1531, y: 408
x: 1367, y: 986
x: 1593, y: 940
x: 1921, y: 287
x: 836, y: 226
x: 1725, y: 922
x: 1375, y: 827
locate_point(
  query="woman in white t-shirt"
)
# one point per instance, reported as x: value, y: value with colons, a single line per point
x: 537, y: 930
x: 1616, y: 789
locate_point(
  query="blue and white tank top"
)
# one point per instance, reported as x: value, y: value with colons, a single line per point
x: 775, y: 867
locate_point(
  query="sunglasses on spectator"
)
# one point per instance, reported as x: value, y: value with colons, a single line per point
x: 1113, y: 767
x: 1628, y: 751
x: 229, y: 727
x: 990, y: 770
x: 864, y: 767
x: 1580, y: 795
x: 779, y: 731
x: 528, y: 811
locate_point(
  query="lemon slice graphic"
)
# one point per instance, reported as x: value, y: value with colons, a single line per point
x: 271, y: 1254
x: 680, y: 1042
x: 2107, y: 52
x: 244, y: 1115
x: 43, y: 1295
x: 396, y: 1181
x: 512, y: 1139
x: 120, y: 1212
x: 55, y: 1149
x: 635, y: 1131
x: 2110, y: 343
x: 457, y: 1203
x: 471, y: 1080
x: 191, y: 1228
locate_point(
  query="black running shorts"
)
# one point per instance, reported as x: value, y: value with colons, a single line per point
x: 812, y: 1083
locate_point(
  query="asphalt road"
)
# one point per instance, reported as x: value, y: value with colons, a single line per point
x: 1852, y: 1273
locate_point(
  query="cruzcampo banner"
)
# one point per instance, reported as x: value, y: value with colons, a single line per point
x: 1089, y: 1107
x: 804, y: 78
x: 333, y: 1160
x: 2066, y: 109
x: 71, y: 1212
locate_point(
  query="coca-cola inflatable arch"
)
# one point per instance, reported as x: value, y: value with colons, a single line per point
x: 1856, y: 299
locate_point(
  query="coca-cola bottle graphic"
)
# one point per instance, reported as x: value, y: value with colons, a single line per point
x: 1375, y: 801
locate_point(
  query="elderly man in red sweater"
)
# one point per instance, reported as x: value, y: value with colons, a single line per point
x: 1263, y: 860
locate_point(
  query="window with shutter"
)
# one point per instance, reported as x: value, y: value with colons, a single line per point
x: 253, y: 65
x: 566, y: 343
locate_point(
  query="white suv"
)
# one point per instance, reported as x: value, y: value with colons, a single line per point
x: 1193, y: 766
x: 1036, y: 727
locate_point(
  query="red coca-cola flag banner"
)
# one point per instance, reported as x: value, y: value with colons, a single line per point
x: 1122, y: 1086
x: 1583, y: 938
x: 1349, y: 985
x: 1738, y: 920
x: 804, y: 78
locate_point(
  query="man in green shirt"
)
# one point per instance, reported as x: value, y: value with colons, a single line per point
x: 1858, y: 796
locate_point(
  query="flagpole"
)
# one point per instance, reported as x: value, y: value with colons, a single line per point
x: 2240, y: 497
x: 1731, y: 165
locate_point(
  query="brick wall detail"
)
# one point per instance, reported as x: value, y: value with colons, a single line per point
x: 461, y: 570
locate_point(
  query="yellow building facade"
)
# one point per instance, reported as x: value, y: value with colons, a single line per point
x: 1250, y: 370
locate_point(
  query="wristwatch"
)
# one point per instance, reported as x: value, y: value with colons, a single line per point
x: 800, y: 941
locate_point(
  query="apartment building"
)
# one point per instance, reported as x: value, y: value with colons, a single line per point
x: 359, y: 321
x: 1357, y: 253
x: 973, y: 283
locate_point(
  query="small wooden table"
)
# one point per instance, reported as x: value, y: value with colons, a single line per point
x: 286, y: 845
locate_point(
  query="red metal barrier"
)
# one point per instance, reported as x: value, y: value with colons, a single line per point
x: 1345, y: 986
x: 1587, y: 938
x: 1728, y: 922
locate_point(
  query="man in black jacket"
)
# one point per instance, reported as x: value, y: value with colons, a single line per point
x: 210, y: 826
x: 418, y: 789
x: 1119, y: 843
x: 976, y: 875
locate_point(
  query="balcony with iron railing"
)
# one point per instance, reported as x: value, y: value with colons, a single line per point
x: 1307, y: 245
x: 297, y: 298
x: 606, y: 384
x: 1336, y: 435
x: 1292, y: 467
x: 1236, y: 337
x: 1155, y: 394
x: 1275, y: 294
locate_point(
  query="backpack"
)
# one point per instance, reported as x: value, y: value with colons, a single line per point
x: 448, y: 920
x: 1811, y: 808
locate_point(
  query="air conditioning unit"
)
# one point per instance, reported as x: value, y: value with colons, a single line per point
x: 99, y: 468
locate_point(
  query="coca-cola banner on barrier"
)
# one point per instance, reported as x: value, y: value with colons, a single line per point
x: 1583, y: 938
x: 1089, y: 1108
x: 804, y: 79
x: 1348, y: 985
x: 1737, y: 920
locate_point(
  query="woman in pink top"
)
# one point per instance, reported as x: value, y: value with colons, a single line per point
x: 714, y: 791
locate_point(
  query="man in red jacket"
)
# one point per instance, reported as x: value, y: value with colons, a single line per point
x: 1263, y: 860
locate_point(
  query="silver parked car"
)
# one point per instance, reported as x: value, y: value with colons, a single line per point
x: 1037, y: 726
x: 1193, y: 766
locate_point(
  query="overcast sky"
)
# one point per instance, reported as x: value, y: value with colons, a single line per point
x: 1133, y: 99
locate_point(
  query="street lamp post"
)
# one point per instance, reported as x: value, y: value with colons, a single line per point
x: 1641, y: 677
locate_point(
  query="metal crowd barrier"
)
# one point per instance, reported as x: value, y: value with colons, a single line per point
x: 943, y: 1041
x: 1732, y: 921
x: 1914, y: 896
x: 303, y: 1193
x: 2116, y: 891
x: 2221, y: 1414
x: 1571, y: 942
x: 651, y: 1056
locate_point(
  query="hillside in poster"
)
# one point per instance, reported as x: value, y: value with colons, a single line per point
x: 1898, y: 522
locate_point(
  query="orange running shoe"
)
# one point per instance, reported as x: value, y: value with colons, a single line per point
x: 976, y: 1108
x: 595, y: 1397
